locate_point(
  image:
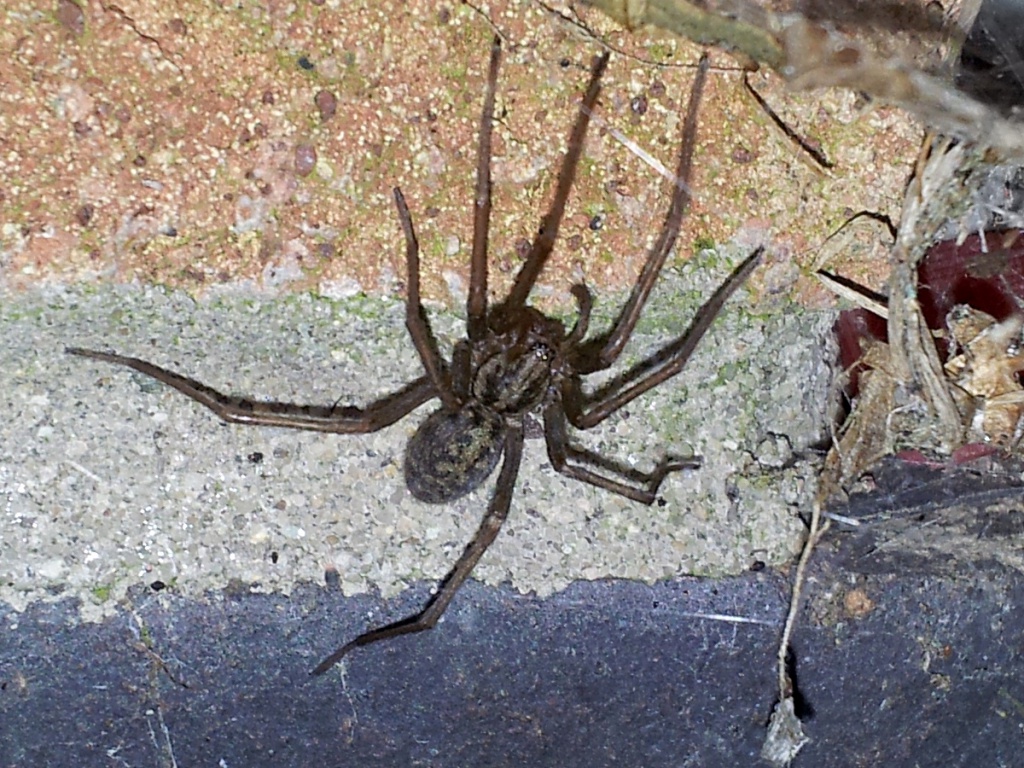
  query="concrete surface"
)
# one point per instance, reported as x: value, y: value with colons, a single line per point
x: 110, y: 479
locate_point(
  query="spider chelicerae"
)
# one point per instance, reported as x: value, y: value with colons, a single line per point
x: 514, y: 360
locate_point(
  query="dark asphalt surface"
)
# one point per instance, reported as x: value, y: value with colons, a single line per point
x: 929, y: 672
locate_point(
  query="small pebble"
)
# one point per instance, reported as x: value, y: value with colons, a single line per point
x: 327, y: 103
x: 305, y: 159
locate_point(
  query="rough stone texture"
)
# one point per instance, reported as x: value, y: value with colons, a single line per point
x: 173, y: 143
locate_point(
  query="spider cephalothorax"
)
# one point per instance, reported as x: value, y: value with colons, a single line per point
x: 514, y: 360
x: 506, y: 376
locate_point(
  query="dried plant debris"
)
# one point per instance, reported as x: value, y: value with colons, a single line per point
x: 965, y: 313
x: 906, y: 400
x: 786, y: 735
x: 860, y: 444
x: 937, y: 379
x: 985, y: 372
x: 896, y: 53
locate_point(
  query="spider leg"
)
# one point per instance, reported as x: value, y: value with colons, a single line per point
x: 611, y: 346
x: 476, y: 300
x: 415, y: 320
x: 567, y: 460
x: 585, y: 412
x: 497, y: 511
x: 545, y: 241
x: 317, y: 418
x: 585, y: 299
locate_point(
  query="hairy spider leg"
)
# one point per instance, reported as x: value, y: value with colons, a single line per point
x: 588, y: 411
x: 664, y: 364
x: 585, y: 301
x: 344, y: 420
x: 497, y: 512
x: 570, y: 461
x: 476, y: 300
x: 318, y: 418
x: 545, y: 240
x: 616, y: 339
x: 415, y: 319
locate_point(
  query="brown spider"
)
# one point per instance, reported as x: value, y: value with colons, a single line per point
x: 514, y: 360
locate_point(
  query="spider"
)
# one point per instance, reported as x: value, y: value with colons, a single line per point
x: 514, y: 360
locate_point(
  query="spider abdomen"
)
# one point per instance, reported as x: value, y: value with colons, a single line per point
x: 453, y: 452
